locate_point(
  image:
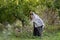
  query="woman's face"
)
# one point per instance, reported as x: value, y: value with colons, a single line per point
x: 31, y: 15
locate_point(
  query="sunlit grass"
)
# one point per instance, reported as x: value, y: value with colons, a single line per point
x: 46, y: 36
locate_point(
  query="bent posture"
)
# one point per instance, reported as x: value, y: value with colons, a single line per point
x: 38, y: 24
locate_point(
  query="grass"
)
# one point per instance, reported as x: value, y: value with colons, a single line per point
x: 46, y: 36
x: 49, y: 34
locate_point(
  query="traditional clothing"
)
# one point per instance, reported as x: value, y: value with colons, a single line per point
x: 38, y: 25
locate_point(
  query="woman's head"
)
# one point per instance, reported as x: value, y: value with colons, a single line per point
x: 31, y: 14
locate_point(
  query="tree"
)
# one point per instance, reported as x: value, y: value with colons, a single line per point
x: 10, y: 10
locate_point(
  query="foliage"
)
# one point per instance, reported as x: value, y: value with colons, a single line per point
x: 10, y: 10
x: 16, y: 9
